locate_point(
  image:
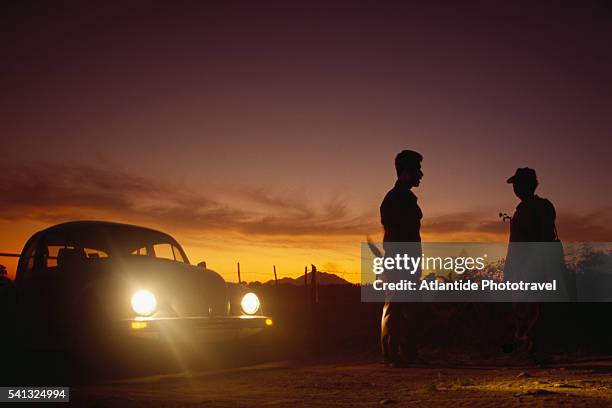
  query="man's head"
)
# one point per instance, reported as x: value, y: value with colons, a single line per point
x: 524, y: 182
x: 408, y: 167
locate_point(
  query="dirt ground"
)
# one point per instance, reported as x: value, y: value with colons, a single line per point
x: 330, y: 358
x: 350, y: 383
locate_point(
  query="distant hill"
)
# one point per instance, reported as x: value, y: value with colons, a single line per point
x: 323, y: 278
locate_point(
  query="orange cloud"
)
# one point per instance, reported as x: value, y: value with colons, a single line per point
x: 254, y: 226
x: 57, y: 192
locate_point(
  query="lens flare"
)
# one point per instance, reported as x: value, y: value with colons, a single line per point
x: 144, y: 302
x: 250, y: 303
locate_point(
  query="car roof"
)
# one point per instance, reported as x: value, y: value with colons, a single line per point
x: 103, y: 234
x: 91, y: 225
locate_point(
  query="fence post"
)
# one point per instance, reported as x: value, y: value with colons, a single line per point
x: 313, y: 285
x: 275, y: 277
x: 239, y: 279
x: 306, y: 286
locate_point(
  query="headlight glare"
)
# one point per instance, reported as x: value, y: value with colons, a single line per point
x: 250, y: 303
x: 144, y: 302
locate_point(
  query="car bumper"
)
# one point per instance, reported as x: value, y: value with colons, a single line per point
x: 195, y: 329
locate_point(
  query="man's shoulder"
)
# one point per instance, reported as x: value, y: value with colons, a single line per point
x: 399, y: 195
x: 391, y: 195
x: 544, y: 204
x: 536, y: 202
x: 538, y: 206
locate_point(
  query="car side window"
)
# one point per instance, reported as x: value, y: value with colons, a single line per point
x: 34, y: 258
x: 168, y: 251
x: 29, y: 257
x: 141, y: 251
x: 163, y: 251
x: 53, y: 251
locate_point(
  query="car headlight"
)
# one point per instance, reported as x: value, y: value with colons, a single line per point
x: 250, y: 303
x: 144, y: 302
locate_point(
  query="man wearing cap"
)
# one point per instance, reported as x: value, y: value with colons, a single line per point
x: 401, y: 218
x: 534, y: 218
x: 533, y: 221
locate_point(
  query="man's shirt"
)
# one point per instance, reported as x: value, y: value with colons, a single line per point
x: 400, y: 215
x: 533, y: 221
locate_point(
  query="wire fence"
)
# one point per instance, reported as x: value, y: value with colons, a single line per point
x: 275, y: 275
x: 311, y: 280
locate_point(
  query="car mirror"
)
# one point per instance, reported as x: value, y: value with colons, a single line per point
x: 202, y: 264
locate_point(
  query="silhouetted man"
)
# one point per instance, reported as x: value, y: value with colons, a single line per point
x: 401, y: 218
x: 534, y: 218
x: 533, y: 221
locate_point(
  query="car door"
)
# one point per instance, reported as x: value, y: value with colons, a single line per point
x: 40, y: 297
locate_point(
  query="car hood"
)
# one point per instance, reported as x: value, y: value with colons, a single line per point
x: 181, y: 290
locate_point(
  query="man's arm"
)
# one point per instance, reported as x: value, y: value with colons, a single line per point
x: 546, y: 227
x: 392, y: 218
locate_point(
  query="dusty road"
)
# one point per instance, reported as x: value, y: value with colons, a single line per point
x: 364, y: 384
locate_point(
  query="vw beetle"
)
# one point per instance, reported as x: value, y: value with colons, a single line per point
x: 91, y: 285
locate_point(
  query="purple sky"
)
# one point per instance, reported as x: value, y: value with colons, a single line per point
x: 276, y: 124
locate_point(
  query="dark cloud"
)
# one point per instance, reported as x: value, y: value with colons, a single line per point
x: 58, y: 192
x: 464, y: 222
x: 593, y: 226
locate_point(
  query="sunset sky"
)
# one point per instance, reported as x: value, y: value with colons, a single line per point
x: 265, y: 132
